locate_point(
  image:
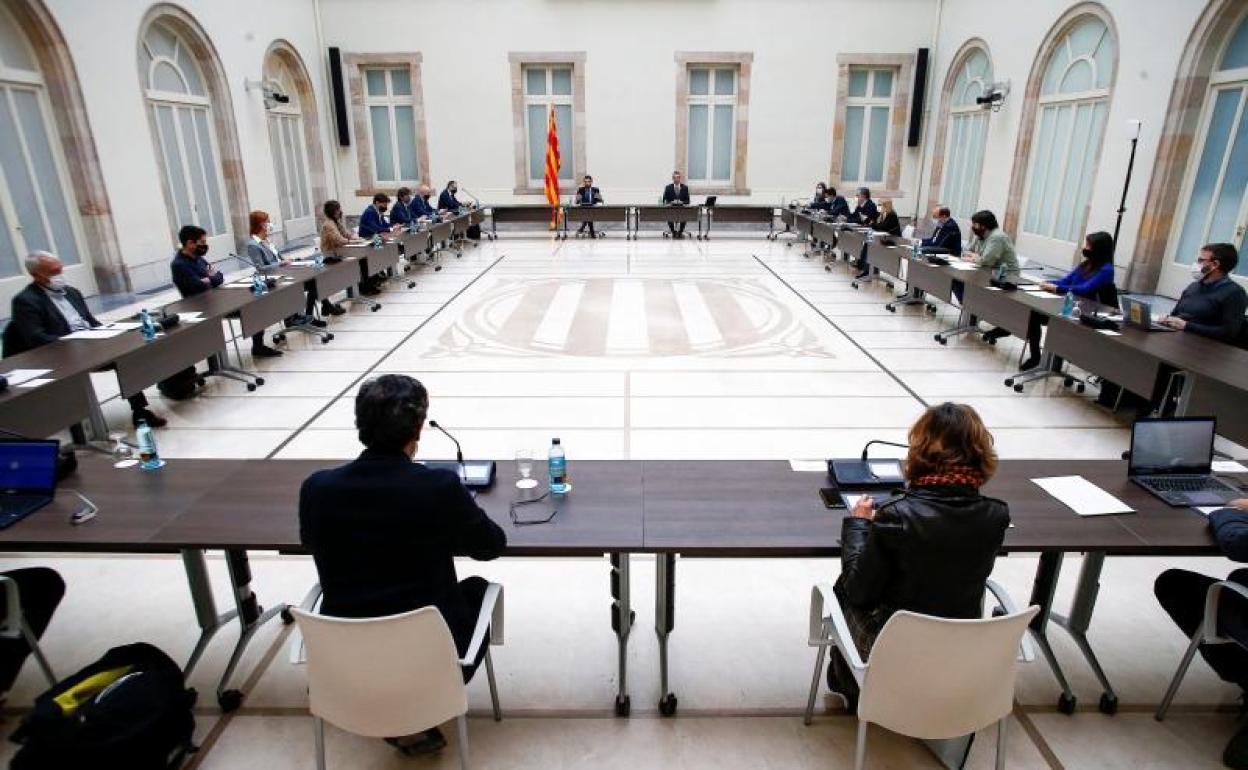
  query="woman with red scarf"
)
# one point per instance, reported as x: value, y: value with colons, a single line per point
x: 931, y: 547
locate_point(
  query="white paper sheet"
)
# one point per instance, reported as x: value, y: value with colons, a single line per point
x: 885, y: 468
x: 1228, y: 466
x: 1208, y: 509
x: 809, y: 466
x: 125, y: 326
x: 94, y: 334
x: 992, y: 288
x: 1110, y: 332
x: 1082, y: 496
x: 36, y: 382
x: 194, y: 314
x: 18, y: 376
x: 964, y: 265
x: 1033, y: 277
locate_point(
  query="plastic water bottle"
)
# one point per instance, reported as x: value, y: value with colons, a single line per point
x: 149, y: 456
x: 914, y: 249
x: 257, y: 285
x: 147, y: 326
x: 377, y: 242
x: 1000, y: 273
x: 318, y: 259
x: 1068, y: 306
x: 558, y: 468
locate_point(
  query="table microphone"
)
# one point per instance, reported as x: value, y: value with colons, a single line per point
x: 459, y: 453
x: 867, y: 446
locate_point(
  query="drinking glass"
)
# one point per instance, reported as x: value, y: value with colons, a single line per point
x: 123, y: 454
x: 524, y: 469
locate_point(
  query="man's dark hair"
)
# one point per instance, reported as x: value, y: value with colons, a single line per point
x: 403, y: 192
x: 389, y: 412
x: 942, y: 211
x: 864, y: 192
x: 381, y: 198
x: 1226, y: 254
x: 985, y: 219
x: 190, y: 234
x: 830, y: 190
x: 448, y: 184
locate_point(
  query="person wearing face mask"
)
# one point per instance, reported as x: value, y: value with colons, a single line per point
x: 373, y: 221
x: 865, y: 212
x: 447, y: 200
x: 886, y: 223
x: 193, y: 275
x: 989, y: 247
x: 838, y: 207
x: 1214, y: 305
x: 401, y: 214
x: 421, y: 208
x: 946, y: 238
x: 48, y: 309
x: 261, y: 253
x: 820, y: 201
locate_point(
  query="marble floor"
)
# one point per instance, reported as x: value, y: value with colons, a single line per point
x: 737, y: 348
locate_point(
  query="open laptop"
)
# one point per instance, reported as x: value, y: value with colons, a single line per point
x: 27, y: 478
x: 1172, y: 457
x: 1139, y: 315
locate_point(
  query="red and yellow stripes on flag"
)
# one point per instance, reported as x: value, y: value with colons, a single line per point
x: 552, y: 168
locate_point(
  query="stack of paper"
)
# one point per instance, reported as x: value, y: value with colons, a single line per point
x: 18, y: 376
x: 1082, y: 496
x: 102, y: 333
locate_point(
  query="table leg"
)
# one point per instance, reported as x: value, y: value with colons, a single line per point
x: 664, y: 622
x: 909, y: 297
x: 205, y: 604
x: 967, y: 323
x: 97, y: 426
x: 1043, y: 589
x: 622, y: 617
x: 1080, y: 618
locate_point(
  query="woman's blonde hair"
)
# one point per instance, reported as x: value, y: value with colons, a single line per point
x: 886, y: 204
x: 946, y: 436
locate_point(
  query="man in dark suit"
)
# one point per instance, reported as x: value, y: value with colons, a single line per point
x: 947, y: 237
x: 447, y: 200
x: 588, y: 195
x: 373, y: 220
x: 420, y: 204
x: 865, y: 212
x: 837, y: 207
x: 401, y: 214
x: 384, y: 530
x: 49, y: 309
x: 676, y: 194
x: 193, y: 275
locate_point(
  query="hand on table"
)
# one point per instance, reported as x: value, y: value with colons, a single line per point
x: 1174, y: 322
x: 864, y: 508
x: 1241, y: 504
x: 969, y: 256
x: 1049, y: 286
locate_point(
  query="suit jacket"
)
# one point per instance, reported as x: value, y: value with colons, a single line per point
x: 838, y: 208
x: 447, y: 201
x: 421, y: 208
x: 866, y: 213
x: 889, y: 223
x: 383, y: 531
x: 671, y: 194
x: 401, y: 213
x: 372, y: 222
x: 947, y: 236
x: 260, y: 257
x: 588, y: 195
x: 189, y: 274
x: 36, y: 321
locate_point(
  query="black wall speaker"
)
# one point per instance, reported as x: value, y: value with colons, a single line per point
x: 918, y: 98
x: 340, y: 98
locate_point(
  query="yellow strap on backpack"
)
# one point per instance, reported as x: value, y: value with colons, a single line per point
x: 70, y: 700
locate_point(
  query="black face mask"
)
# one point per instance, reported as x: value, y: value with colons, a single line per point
x: 382, y: 209
x: 201, y: 250
x: 979, y: 232
x: 1087, y: 253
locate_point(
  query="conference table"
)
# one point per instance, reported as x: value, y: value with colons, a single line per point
x: 694, y: 509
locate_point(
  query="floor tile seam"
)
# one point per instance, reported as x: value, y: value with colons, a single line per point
x: 1037, y: 739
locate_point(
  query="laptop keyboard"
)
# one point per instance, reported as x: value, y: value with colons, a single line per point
x: 1186, y: 484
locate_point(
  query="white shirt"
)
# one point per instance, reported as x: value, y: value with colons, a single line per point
x: 61, y: 300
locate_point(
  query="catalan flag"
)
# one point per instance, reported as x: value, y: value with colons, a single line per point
x: 552, y: 168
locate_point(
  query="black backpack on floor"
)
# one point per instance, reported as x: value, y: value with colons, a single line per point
x: 181, y: 386
x: 136, y: 715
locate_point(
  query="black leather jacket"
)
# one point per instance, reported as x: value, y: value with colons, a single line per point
x: 929, y: 550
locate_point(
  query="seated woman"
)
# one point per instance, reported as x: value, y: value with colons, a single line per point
x: 335, y: 235
x: 820, y: 200
x: 888, y: 224
x: 261, y: 253
x: 1092, y: 279
x: 929, y: 549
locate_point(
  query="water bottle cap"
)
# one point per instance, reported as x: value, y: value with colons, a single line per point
x: 554, y: 441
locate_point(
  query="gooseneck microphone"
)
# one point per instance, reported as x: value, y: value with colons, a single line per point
x: 867, y: 446
x: 459, y: 453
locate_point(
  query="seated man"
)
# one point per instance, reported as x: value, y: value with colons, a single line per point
x: 946, y: 238
x: 1182, y: 595
x: 373, y: 221
x: 447, y: 200
x: 401, y: 214
x: 837, y: 206
x: 48, y: 309
x: 421, y: 208
x: 676, y: 194
x: 383, y: 530
x: 588, y: 195
x: 1214, y: 305
x: 193, y: 275
x: 865, y: 212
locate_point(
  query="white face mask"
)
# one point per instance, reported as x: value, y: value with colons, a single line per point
x: 268, y: 228
x: 1198, y: 271
x: 57, y: 283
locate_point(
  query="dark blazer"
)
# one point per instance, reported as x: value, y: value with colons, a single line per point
x: 889, y: 223
x: 820, y: 203
x: 383, y: 531
x: 947, y: 236
x: 401, y: 213
x: 588, y: 195
x: 372, y: 222
x: 930, y: 550
x: 447, y: 201
x: 1213, y: 309
x: 189, y: 274
x: 838, y: 208
x: 671, y: 194
x: 865, y: 214
x: 35, y: 321
x: 421, y: 208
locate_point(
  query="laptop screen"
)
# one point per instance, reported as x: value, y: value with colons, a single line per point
x: 1178, y: 446
x: 28, y: 466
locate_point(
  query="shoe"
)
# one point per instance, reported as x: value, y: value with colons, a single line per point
x: 418, y: 744
x: 264, y: 351
x: 152, y: 419
x: 318, y: 323
x: 1031, y: 363
x: 862, y: 275
x: 370, y: 290
x: 332, y: 308
x: 992, y: 335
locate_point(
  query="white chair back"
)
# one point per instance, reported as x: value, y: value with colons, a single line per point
x: 932, y: 678
x: 907, y: 231
x: 382, y: 677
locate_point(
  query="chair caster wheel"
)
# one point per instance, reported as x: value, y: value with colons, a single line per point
x: 942, y: 340
x: 1067, y: 382
x: 890, y: 308
x: 1009, y: 382
x: 200, y: 382
x: 931, y: 309
x: 230, y: 700
x: 251, y: 386
x: 287, y: 617
x: 279, y: 339
x: 852, y: 284
x: 259, y: 381
x: 1080, y: 388
x: 623, y: 705
x: 667, y: 706
x: 1018, y: 388
x: 827, y: 268
x: 1066, y: 703
x: 325, y: 340
x: 1108, y: 704
x: 375, y: 308
x: 411, y: 284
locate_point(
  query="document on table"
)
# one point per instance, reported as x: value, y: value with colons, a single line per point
x: 1219, y: 466
x: 1205, y: 510
x: 18, y: 376
x: 964, y: 265
x: 1110, y: 332
x: 809, y: 466
x: 102, y: 333
x: 1082, y: 496
x: 125, y: 326
x: 36, y: 382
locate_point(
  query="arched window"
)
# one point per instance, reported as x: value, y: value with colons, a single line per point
x: 35, y: 209
x: 290, y: 152
x: 1216, y: 188
x: 182, y: 120
x: 968, y: 125
x: 1069, y: 123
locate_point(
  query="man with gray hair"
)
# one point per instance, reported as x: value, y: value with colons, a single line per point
x: 48, y: 309
x: 865, y: 212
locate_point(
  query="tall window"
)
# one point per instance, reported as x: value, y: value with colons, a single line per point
x: 1217, y: 204
x: 1074, y: 98
x: 182, y: 117
x: 35, y: 210
x: 868, y: 114
x: 545, y: 86
x: 290, y: 156
x: 392, y: 123
x: 712, y: 105
x: 968, y: 124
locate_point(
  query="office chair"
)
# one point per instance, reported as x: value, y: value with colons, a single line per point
x: 1206, y: 633
x: 14, y: 626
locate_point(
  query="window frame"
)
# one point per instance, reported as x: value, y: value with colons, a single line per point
x: 869, y: 102
x: 545, y: 101
x: 899, y: 114
x: 357, y: 65
x: 944, y: 153
x: 288, y: 121
x: 711, y: 100
x: 520, y: 61
x: 743, y: 63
